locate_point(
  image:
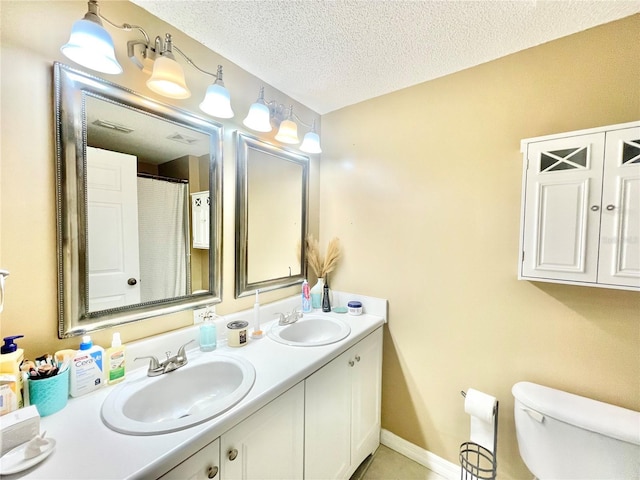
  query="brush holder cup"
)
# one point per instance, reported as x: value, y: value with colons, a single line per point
x: 49, y: 395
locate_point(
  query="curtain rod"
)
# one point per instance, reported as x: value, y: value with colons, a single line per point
x: 160, y: 177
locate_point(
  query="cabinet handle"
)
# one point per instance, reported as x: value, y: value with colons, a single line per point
x: 233, y: 453
x: 351, y: 363
x: 595, y: 208
x: 357, y: 358
x: 611, y: 207
x: 212, y: 471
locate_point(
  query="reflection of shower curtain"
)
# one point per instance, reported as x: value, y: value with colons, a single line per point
x: 163, y: 234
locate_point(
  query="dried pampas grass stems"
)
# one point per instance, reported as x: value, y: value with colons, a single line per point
x: 322, y: 266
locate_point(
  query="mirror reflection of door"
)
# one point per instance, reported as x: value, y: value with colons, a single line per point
x: 114, y: 264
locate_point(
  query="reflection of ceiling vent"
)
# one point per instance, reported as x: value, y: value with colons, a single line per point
x: 178, y: 137
x: 112, y: 126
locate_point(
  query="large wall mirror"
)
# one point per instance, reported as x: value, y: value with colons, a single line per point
x: 271, y: 216
x: 131, y: 174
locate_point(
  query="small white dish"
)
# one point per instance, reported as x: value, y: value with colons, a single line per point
x: 13, y: 461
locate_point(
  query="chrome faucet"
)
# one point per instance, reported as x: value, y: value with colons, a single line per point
x: 289, y: 318
x: 170, y: 364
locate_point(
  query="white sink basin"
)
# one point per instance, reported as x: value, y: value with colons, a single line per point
x: 310, y: 331
x: 180, y: 399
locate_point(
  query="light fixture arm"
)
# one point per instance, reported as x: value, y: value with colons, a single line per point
x: 217, y: 76
x: 94, y: 9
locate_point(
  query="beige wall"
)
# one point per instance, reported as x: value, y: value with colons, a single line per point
x: 423, y: 188
x: 32, y: 33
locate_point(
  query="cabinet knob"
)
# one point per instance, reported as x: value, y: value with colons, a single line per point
x: 611, y: 207
x: 212, y: 471
x: 357, y: 358
x: 132, y: 281
x: 595, y: 208
x: 351, y: 363
x: 233, y: 453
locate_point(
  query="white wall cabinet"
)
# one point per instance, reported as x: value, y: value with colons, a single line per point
x: 202, y: 465
x: 342, y: 411
x: 200, y: 202
x: 581, y: 208
x: 269, y: 444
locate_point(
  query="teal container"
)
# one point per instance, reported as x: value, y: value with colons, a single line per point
x: 50, y: 395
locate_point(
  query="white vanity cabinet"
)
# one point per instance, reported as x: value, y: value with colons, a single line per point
x: 268, y: 444
x: 201, y: 465
x: 200, y: 202
x: 581, y: 208
x: 342, y: 411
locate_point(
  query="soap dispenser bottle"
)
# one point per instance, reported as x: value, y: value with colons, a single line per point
x: 208, y: 334
x: 10, y: 359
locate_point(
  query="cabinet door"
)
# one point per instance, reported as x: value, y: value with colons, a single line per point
x: 327, y: 434
x: 269, y: 444
x: 366, y: 391
x: 562, y: 208
x: 619, y: 262
x: 200, y: 202
x: 202, y: 465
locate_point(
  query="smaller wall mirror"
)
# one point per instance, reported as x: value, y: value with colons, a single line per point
x: 271, y: 216
x: 129, y: 172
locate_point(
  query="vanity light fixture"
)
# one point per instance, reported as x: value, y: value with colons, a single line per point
x: 262, y: 114
x: 91, y: 46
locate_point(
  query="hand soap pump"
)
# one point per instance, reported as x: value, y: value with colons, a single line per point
x: 326, y: 301
x: 257, y: 332
x: 306, y: 297
x: 208, y: 334
x: 10, y: 359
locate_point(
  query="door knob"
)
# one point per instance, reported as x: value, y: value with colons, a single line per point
x: 351, y: 363
x: 611, y: 207
x: 233, y: 454
x: 132, y: 281
x: 595, y: 208
x: 212, y: 471
x: 357, y: 358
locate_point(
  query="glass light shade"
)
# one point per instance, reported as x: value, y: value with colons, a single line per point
x: 217, y: 102
x: 258, y: 118
x: 91, y: 46
x: 288, y: 132
x: 311, y: 143
x: 167, y: 79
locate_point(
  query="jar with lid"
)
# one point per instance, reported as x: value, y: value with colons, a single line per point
x: 237, y: 333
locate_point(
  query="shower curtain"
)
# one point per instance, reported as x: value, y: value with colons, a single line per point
x: 163, y: 236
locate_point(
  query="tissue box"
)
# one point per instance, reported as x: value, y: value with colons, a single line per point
x: 18, y: 427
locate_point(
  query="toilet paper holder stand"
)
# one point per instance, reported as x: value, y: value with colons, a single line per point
x: 476, y: 461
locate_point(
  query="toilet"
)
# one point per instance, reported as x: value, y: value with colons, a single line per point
x: 565, y: 436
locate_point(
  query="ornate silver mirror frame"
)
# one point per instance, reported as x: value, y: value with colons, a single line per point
x: 272, y: 187
x: 72, y: 89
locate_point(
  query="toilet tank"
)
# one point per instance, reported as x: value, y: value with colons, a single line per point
x: 565, y: 436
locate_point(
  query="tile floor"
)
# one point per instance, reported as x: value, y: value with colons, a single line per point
x: 387, y: 464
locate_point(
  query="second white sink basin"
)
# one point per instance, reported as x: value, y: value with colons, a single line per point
x: 310, y: 331
x: 180, y: 399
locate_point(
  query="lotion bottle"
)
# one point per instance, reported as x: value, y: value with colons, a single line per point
x: 87, y: 368
x: 115, y: 361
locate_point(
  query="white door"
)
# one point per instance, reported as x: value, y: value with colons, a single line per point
x: 114, y: 266
x: 327, y: 423
x: 366, y: 397
x: 269, y: 445
x: 620, y: 231
x: 562, y: 208
x: 201, y: 465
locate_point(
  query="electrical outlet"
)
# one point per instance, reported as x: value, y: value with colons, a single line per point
x: 198, y: 315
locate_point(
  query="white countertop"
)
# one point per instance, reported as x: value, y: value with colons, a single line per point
x: 88, y: 449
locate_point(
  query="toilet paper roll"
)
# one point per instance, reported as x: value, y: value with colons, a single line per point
x: 481, y: 406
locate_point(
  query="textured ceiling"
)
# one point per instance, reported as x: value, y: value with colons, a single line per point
x: 330, y: 54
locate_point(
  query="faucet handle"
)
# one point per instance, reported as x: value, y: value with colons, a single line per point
x: 181, y: 350
x: 153, y: 361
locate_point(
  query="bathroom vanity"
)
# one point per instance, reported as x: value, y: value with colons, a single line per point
x: 313, y: 412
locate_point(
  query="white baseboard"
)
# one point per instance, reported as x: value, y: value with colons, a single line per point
x: 433, y: 462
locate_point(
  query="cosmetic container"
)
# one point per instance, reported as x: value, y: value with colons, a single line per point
x: 355, y: 308
x: 237, y: 333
